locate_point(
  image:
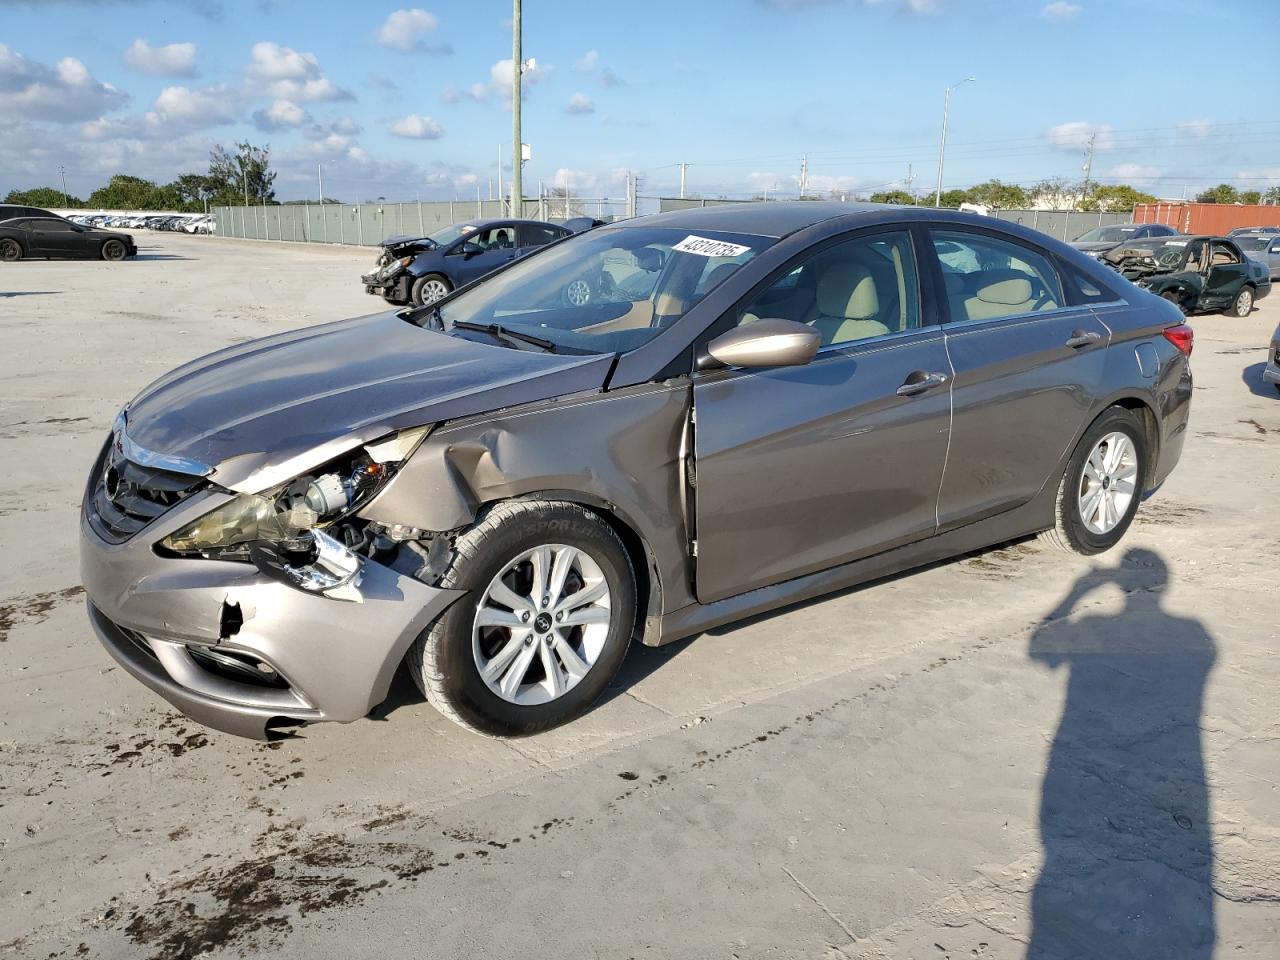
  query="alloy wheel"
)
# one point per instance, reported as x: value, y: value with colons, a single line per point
x: 1108, y: 483
x: 10, y: 251
x: 578, y: 293
x: 1244, y: 302
x: 433, y: 290
x: 541, y: 624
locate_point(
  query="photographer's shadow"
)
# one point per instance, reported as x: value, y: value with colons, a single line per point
x: 1124, y: 812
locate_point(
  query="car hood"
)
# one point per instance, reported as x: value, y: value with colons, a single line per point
x: 109, y: 234
x: 260, y: 413
x: 1094, y: 246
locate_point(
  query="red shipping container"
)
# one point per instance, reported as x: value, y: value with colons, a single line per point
x: 1217, y: 219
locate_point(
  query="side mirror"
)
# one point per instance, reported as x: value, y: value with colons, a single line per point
x: 764, y: 343
x: 469, y: 250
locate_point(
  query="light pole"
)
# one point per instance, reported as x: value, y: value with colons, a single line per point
x: 942, y: 150
x: 517, y: 67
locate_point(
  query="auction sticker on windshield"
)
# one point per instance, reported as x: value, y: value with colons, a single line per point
x: 709, y: 248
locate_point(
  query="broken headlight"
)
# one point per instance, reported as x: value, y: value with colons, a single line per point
x: 290, y: 515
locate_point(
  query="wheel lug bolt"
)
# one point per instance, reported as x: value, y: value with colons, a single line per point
x: 546, y: 602
x: 524, y: 617
x: 548, y: 639
x: 559, y: 617
x: 528, y: 640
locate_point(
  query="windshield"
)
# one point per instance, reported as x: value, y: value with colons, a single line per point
x: 1253, y: 243
x: 442, y: 238
x: 1107, y: 234
x: 609, y: 290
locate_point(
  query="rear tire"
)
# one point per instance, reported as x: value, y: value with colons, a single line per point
x: 1242, y: 305
x: 113, y: 250
x: 10, y: 251
x: 1098, y: 495
x: 430, y: 288
x: 493, y: 562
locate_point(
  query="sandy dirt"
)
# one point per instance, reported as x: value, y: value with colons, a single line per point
x: 985, y: 759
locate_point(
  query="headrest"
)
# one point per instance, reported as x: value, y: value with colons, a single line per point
x: 1007, y: 292
x: 847, y: 290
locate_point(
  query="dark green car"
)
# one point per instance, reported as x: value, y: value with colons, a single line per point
x: 1200, y: 274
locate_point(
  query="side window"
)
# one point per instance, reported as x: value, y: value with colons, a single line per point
x: 988, y: 278
x: 857, y: 289
x: 53, y: 226
x: 1223, y: 253
x: 537, y: 234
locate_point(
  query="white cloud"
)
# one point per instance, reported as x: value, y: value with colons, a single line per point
x: 500, y: 74
x: 286, y: 74
x: 590, y: 60
x: 1134, y: 173
x: 66, y: 93
x: 204, y: 107
x: 455, y: 94
x: 170, y: 60
x: 417, y: 127
x: 1061, y: 11
x: 1075, y: 136
x: 580, y: 103
x: 405, y: 30
x: 281, y: 115
x: 590, y: 63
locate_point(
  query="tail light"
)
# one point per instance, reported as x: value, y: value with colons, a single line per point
x: 1182, y: 337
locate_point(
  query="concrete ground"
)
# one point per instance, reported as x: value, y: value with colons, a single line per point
x: 1018, y: 753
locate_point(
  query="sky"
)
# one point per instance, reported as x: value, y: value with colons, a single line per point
x: 401, y: 101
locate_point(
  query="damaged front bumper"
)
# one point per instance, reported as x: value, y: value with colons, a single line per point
x: 238, y: 650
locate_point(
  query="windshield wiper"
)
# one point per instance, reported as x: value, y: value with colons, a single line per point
x: 499, y: 332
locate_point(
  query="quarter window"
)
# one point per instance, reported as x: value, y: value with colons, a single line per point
x: 857, y: 289
x: 988, y: 278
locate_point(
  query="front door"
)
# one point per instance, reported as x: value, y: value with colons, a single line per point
x: 1027, y: 369
x: 802, y: 468
x: 483, y: 252
x: 56, y: 238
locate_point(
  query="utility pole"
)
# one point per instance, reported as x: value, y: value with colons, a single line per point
x: 911, y: 178
x: 942, y: 150
x: 1088, y: 168
x: 500, y: 174
x: 320, y: 184
x: 67, y: 203
x: 804, y: 174
x: 517, y: 68
x: 682, y: 169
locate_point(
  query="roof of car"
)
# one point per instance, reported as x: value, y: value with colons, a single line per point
x: 771, y: 219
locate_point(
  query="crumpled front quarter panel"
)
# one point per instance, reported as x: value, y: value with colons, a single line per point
x: 618, y: 450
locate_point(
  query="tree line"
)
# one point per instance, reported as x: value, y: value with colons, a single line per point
x: 1105, y: 197
x: 234, y: 177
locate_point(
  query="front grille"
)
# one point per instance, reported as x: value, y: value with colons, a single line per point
x: 127, y: 496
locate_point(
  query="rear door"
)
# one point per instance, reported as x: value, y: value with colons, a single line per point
x: 1027, y: 369
x: 803, y: 468
x: 1228, y: 269
x: 531, y: 236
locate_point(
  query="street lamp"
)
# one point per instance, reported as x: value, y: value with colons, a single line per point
x: 942, y: 150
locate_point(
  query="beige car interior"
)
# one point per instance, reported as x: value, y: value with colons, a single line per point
x: 851, y: 293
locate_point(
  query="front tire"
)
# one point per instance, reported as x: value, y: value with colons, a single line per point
x: 546, y: 623
x: 1178, y: 299
x: 10, y: 251
x: 430, y: 288
x: 113, y: 250
x: 1102, y: 485
x: 1242, y: 305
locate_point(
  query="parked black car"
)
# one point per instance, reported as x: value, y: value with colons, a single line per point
x: 54, y: 238
x: 423, y: 269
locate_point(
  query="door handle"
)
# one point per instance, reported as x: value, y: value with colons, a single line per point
x: 919, y: 381
x: 1082, y: 338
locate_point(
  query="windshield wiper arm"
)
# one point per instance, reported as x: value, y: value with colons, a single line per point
x: 499, y: 332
